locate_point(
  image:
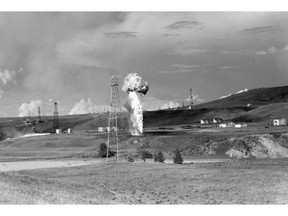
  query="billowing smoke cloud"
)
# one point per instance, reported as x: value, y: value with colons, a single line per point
x: 31, y: 107
x: 170, y: 104
x: 135, y: 87
x: 83, y: 107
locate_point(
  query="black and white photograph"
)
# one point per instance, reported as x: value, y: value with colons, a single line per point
x: 143, y: 107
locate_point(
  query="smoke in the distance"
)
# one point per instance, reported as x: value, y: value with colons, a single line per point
x: 83, y: 107
x: 135, y: 87
x: 31, y: 108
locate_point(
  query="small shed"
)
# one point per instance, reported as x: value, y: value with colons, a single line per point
x: 279, y: 121
x: 217, y: 120
x: 222, y: 125
x: 204, y: 121
x: 231, y: 124
x: 58, y: 131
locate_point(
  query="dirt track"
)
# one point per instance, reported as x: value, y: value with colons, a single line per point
x: 28, y: 165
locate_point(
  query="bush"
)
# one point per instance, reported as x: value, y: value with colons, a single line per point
x: 159, y: 157
x: 103, y: 151
x: 177, y: 159
x: 144, y: 153
x: 130, y: 158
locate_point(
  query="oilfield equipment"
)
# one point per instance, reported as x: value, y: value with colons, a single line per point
x: 56, y: 124
x: 191, y: 106
x: 114, y: 109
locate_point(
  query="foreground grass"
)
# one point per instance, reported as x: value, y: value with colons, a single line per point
x: 238, y: 182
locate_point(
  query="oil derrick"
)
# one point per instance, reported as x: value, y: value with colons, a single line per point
x: 114, y: 108
x: 191, y: 106
x: 39, y: 115
x: 56, y: 119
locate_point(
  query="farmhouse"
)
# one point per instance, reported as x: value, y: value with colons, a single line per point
x: 217, y: 120
x: 240, y: 125
x: 204, y: 121
x: 278, y: 122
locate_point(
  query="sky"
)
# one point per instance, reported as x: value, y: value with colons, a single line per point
x: 69, y: 57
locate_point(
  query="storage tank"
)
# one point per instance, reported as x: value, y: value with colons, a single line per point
x: 58, y: 131
x: 100, y: 129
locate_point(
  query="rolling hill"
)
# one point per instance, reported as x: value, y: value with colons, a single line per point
x: 265, y: 104
x: 256, y: 97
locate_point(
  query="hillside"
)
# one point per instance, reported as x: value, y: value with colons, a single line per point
x: 256, y: 97
x: 265, y: 105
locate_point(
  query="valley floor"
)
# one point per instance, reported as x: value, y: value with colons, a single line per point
x: 263, y: 181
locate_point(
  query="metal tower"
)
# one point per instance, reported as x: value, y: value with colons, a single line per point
x: 191, y: 100
x: 56, y: 119
x: 114, y: 108
x: 39, y: 115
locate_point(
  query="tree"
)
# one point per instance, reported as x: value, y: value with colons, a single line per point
x: 177, y: 159
x: 144, y: 153
x: 159, y: 157
x: 103, y: 151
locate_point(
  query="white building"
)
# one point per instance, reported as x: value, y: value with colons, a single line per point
x: 204, y: 121
x: 100, y: 129
x: 223, y: 125
x: 231, y: 124
x: 217, y: 120
x: 278, y: 122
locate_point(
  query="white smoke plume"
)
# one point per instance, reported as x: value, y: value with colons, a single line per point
x: 83, y: 107
x: 135, y: 87
x: 31, y: 107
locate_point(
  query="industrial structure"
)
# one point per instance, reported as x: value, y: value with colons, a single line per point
x: 56, y: 118
x: 114, y: 108
x: 39, y: 114
x: 191, y: 105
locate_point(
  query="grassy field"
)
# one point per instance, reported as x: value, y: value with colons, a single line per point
x: 236, y: 182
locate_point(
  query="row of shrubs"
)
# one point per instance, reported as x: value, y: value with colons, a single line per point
x: 144, y: 154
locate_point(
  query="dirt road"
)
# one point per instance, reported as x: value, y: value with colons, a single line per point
x: 28, y: 165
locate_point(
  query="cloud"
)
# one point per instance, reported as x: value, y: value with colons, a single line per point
x: 7, y: 76
x: 260, y: 29
x: 121, y: 35
x: 171, y: 35
x: 31, y: 107
x: 186, y: 51
x: 83, y: 107
x: 272, y: 50
x: 50, y: 100
x: 231, y: 52
x: 261, y: 53
x: 180, y: 68
x: 185, y: 25
x: 195, y: 98
x: 227, y: 67
x: 170, y: 104
x: 1, y: 93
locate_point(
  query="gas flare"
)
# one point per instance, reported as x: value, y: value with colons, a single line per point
x: 135, y: 87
